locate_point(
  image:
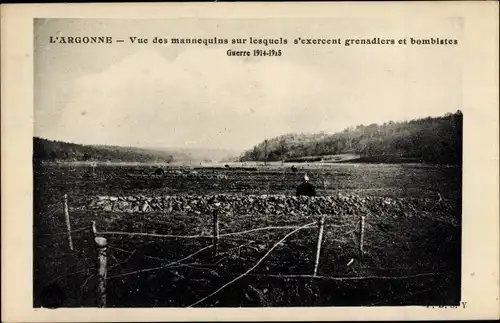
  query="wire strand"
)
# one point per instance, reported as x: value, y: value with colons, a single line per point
x: 195, y: 236
x: 252, y: 268
x: 161, y: 267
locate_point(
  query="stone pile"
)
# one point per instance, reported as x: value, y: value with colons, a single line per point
x: 272, y: 205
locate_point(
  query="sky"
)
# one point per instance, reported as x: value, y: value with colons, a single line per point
x: 195, y: 96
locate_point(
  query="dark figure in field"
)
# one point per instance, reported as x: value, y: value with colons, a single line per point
x: 306, y: 188
x: 159, y: 171
x: 227, y: 166
x: 294, y: 169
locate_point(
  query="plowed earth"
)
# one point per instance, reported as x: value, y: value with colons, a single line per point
x: 411, y: 243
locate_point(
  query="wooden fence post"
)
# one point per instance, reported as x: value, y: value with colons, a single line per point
x: 216, y: 232
x: 102, y: 272
x: 320, y: 239
x: 93, y: 230
x: 362, y: 236
x: 68, y: 225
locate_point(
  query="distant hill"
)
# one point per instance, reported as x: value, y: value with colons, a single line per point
x: 52, y: 150
x: 432, y: 140
x: 203, y: 154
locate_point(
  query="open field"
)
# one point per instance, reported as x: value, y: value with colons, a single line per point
x: 412, y: 238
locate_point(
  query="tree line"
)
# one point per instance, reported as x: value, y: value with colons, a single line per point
x: 436, y: 140
x: 53, y: 150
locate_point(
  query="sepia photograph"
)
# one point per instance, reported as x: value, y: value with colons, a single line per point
x: 298, y: 159
x: 190, y: 174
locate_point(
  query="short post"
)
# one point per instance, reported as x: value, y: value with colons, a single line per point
x: 320, y: 239
x: 216, y: 232
x: 68, y: 225
x: 362, y: 236
x: 93, y: 230
x: 101, y: 270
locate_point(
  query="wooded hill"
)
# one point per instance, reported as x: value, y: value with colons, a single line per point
x: 435, y: 140
x: 52, y: 150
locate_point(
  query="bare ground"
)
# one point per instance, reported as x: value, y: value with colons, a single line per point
x: 423, y: 250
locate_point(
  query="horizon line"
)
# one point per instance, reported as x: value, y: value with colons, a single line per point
x: 241, y: 150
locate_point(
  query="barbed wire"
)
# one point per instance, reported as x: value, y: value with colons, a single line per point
x: 64, y: 233
x: 194, y: 236
x: 293, y: 276
x: 253, y: 267
x: 161, y: 267
x: 353, y: 277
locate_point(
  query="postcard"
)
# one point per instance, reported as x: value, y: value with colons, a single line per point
x: 250, y: 161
